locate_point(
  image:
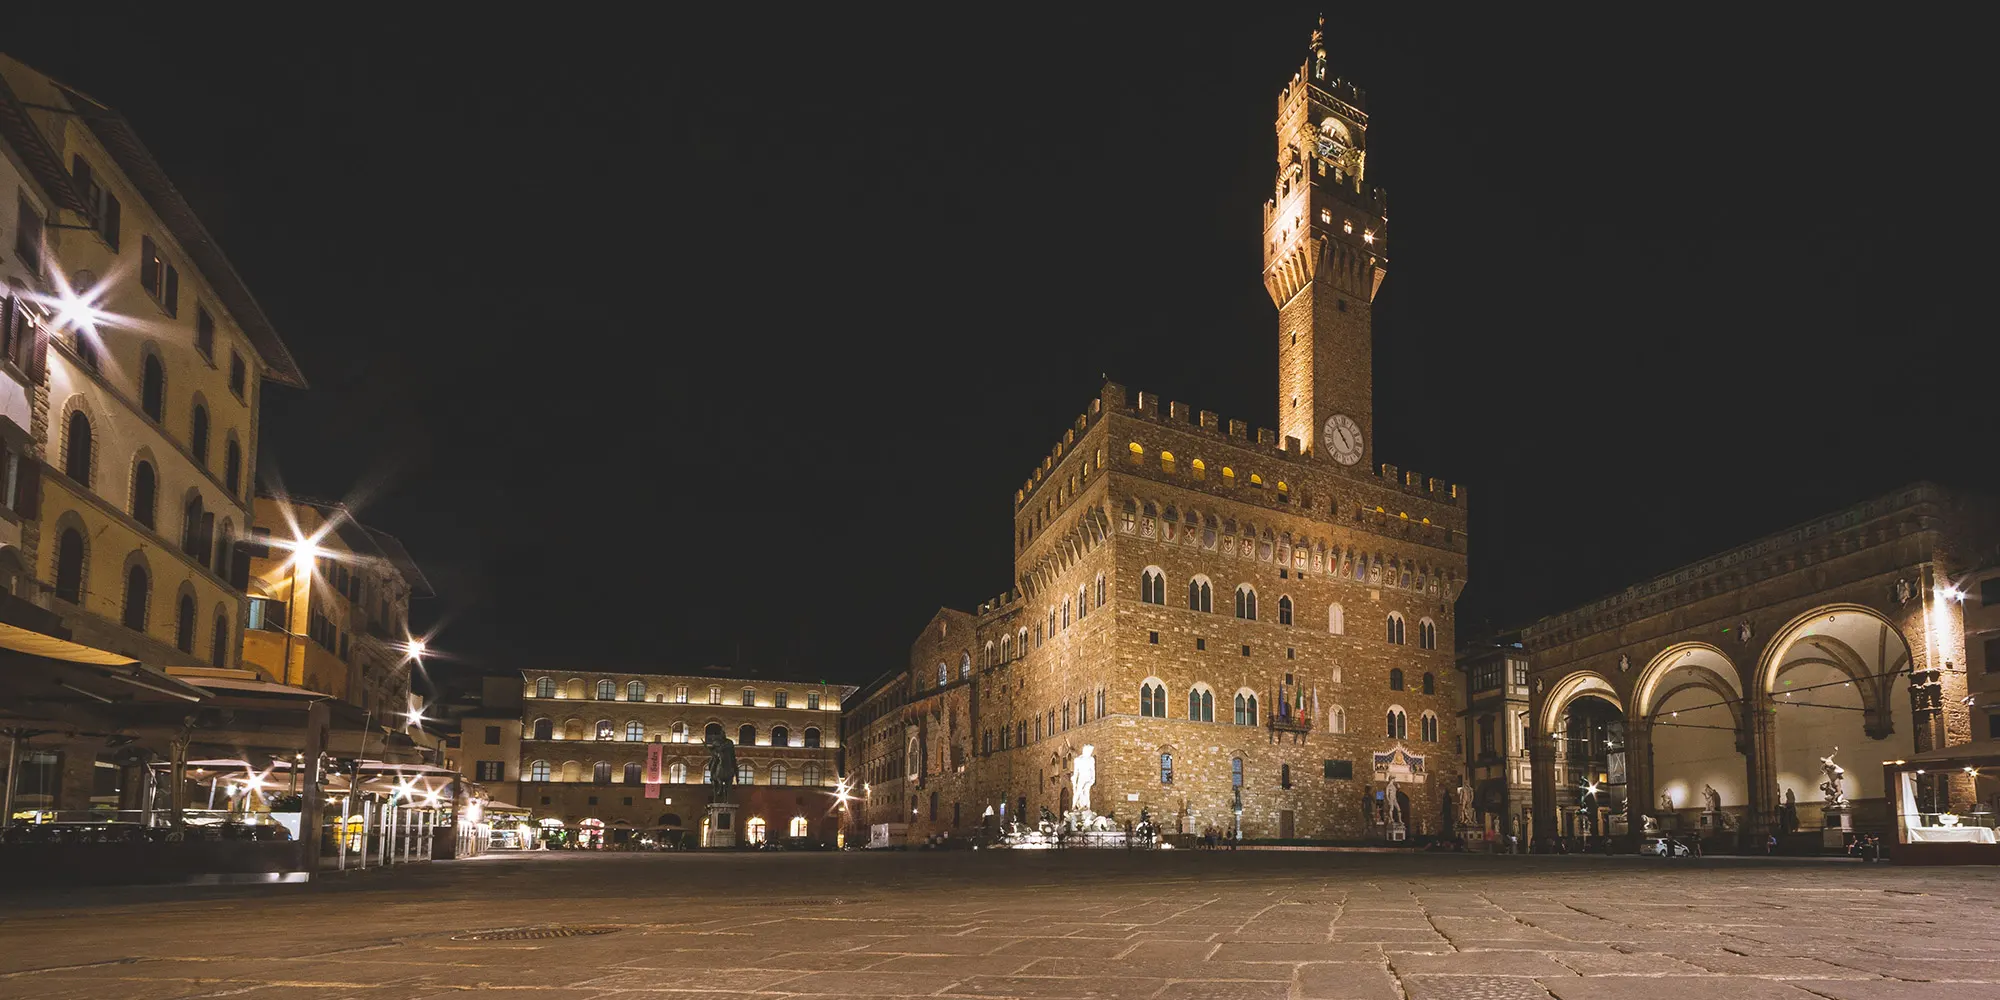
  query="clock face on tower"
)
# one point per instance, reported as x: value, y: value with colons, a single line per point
x: 1342, y: 438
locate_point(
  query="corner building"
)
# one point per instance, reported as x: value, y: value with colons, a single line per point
x: 1251, y: 629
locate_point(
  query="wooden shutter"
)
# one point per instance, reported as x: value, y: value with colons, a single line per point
x: 239, y: 566
x: 28, y: 489
x: 149, y: 263
x: 172, y: 297
x: 205, y: 545
x: 110, y: 223
x: 36, y: 352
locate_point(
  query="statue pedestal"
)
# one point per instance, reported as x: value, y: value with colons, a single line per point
x: 1711, y: 822
x: 1397, y: 834
x: 721, y: 827
x: 1833, y: 836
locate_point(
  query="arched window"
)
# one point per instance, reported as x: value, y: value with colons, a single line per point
x: 1152, y: 586
x: 1153, y: 700
x: 1395, y: 678
x: 1135, y: 453
x: 1236, y: 772
x: 1428, y: 727
x: 152, y: 387
x: 69, y: 566
x: 1399, y: 724
x: 1199, y: 469
x: 965, y: 665
x: 1427, y: 634
x: 781, y: 736
x: 1100, y: 590
x: 779, y: 775
x: 184, y: 624
x: 1336, y: 721
x: 1201, y: 597
x: 1166, y: 769
x: 712, y: 733
x: 138, y: 587
x: 809, y: 774
x: 1284, y: 775
x: 218, y: 648
x: 746, y: 736
x: 606, y: 730
x: 678, y: 733
x: 1336, y: 620
x: 745, y: 774
x: 145, y: 493
x: 812, y: 736
x: 634, y: 773
x: 1430, y: 683
x: 539, y: 770
x: 1246, y: 602
x: 944, y: 674
x: 1201, y: 704
x: 635, y: 691
x: 232, y: 466
x: 198, y: 435
x: 76, y: 454
x: 1284, y: 610
x: 1246, y: 709
x: 545, y: 729
x: 607, y: 690
x: 1167, y: 462
x: 545, y: 687
x: 1395, y: 628
x: 1228, y: 476
x: 677, y: 773
x: 600, y: 772
x: 635, y: 732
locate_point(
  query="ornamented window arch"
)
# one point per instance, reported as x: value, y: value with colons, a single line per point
x: 607, y: 690
x: 1284, y: 609
x: 1427, y: 634
x: 1428, y: 726
x: 746, y: 735
x: 677, y: 773
x: 1395, y: 678
x: 1152, y: 699
x: 635, y: 731
x: 635, y: 691
x: 943, y: 674
x: 1201, y: 703
x: 1430, y: 683
x: 1399, y: 723
x: 1100, y: 590
x: 812, y: 736
x: 680, y: 732
x: 1246, y: 708
x: 1396, y: 627
x: 1336, y: 620
x: 1336, y: 721
x: 1152, y: 586
x: 781, y: 736
x: 1201, y: 594
x: 779, y: 776
x: 538, y: 771
x: 809, y: 774
x: 965, y: 663
x: 1246, y: 602
x: 545, y: 687
x: 606, y: 730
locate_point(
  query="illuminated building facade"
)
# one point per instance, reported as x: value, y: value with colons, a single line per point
x: 1252, y: 630
x: 155, y: 358
x: 587, y: 738
x: 1497, y: 727
x: 336, y: 622
x: 1724, y: 682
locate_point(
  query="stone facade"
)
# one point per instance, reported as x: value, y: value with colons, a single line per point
x: 585, y: 739
x: 1738, y: 672
x: 1229, y: 620
x: 1496, y: 726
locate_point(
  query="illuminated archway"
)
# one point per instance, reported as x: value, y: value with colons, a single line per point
x: 1830, y: 679
x: 1692, y: 694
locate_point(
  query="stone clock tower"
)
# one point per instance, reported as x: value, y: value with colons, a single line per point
x: 1325, y: 254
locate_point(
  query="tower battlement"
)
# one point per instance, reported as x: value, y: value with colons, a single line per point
x: 1289, y: 452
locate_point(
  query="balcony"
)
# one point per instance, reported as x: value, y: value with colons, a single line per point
x: 1288, y: 723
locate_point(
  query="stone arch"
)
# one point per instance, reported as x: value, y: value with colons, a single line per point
x: 1685, y: 657
x: 72, y: 406
x: 1570, y: 688
x: 69, y: 520
x: 1827, y: 680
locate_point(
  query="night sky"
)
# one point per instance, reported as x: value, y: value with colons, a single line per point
x: 727, y: 340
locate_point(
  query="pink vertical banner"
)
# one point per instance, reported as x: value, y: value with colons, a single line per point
x: 654, y: 755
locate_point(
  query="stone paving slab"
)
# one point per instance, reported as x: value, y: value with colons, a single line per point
x: 1048, y: 925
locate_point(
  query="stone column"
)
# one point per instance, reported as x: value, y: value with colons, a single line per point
x: 1542, y: 761
x: 1639, y: 796
x: 1760, y: 757
x: 79, y: 774
x: 309, y: 787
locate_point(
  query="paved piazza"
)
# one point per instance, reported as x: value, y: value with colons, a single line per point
x: 1244, y: 926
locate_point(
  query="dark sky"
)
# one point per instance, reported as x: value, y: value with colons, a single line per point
x: 722, y: 339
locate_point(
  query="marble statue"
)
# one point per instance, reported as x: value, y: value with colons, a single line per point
x: 1652, y: 825
x: 1624, y: 663
x: 1788, y: 813
x: 1395, y: 808
x: 1082, y: 777
x: 1465, y: 811
x: 1666, y: 802
x: 1711, y: 799
x: 1743, y: 631
x: 1831, y: 785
